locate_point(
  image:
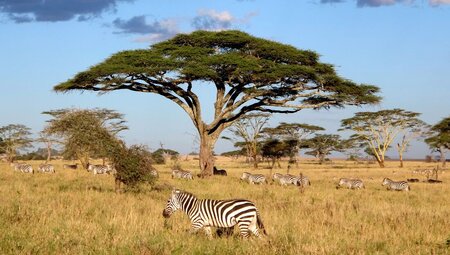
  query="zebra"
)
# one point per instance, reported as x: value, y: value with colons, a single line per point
x: 46, y: 168
x: 22, y: 167
x: 253, y: 178
x: 181, y: 174
x: 350, y: 183
x: 392, y: 185
x: 285, y: 179
x: 15, y: 166
x: 101, y: 169
x: 300, y: 180
x: 75, y: 166
x: 207, y: 213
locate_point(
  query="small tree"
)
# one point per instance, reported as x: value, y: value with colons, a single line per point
x: 322, y: 145
x: 133, y: 166
x: 14, y: 137
x: 415, y: 128
x: 379, y: 129
x: 49, y: 140
x: 248, y: 130
x: 439, y: 140
x: 274, y: 150
x: 84, y: 134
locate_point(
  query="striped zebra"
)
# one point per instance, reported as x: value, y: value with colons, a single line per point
x: 350, y: 183
x: 101, y: 169
x: 392, y: 185
x: 285, y: 179
x: 181, y: 174
x: 300, y: 180
x: 253, y: 178
x: 207, y: 213
x: 46, y: 168
x: 22, y: 167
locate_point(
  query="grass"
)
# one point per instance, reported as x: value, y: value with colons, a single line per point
x: 74, y: 212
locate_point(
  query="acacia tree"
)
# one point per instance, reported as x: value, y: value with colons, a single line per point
x: 295, y: 133
x: 321, y: 145
x: 377, y: 130
x: 440, y: 139
x: 249, y: 74
x: 84, y: 133
x: 415, y: 128
x: 49, y: 140
x: 249, y: 129
x: 14, y: 137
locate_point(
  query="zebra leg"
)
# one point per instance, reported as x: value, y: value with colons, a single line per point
x: 195, y: 227
x: 253, y: 227
x: 244, y: 228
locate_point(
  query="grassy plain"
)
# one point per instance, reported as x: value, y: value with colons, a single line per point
x: 74, y: 212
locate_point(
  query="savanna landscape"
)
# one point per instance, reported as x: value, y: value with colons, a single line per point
x: 75, y: 212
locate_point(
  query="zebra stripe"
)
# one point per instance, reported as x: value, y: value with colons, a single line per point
x: 181, y: 174
x: 285, y: 179
x: 253, y: 178
x: 101, y: 169
x: 393, y: 185
x: 207, y: 213
x: 24, y: 168
x: 46, y: 168
x: 351, y: 183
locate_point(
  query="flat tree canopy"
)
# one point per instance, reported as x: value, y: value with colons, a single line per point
x: 250, y: 74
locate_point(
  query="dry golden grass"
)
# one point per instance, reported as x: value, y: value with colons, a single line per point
x: 74, y: 212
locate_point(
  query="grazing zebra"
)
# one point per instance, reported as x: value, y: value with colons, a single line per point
x: 207, y: 213
x: 101, y: 169
x: 392, y: 185
x: 22, y: 167
x: 350, y: 183
x: 181, y: 174
x: 301, y: 180
x: 75, y: 166
x: 285, y: 179
x: 46, y: 168
x: 253, y: 178
x: 219, y: 172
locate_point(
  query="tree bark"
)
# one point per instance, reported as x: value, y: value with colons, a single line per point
x: 380, y: 163
x: 206, y: 157
x: 401, y: 159
x: 442, y: 159
x: 49, y: 152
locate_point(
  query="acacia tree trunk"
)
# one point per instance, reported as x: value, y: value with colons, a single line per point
x: 206, y: 157
x: 442, y: 159
x: 401, y: 159
x: 49, y: 151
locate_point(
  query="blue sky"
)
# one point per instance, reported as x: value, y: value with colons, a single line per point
x: 402, y: 46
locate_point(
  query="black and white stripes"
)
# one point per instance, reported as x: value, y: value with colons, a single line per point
x: 253, y: 178
x: 393, y: 185
x: 46, y: 168
x: 207, y: 213
x: 350, y: 183
x: 22, y: 167
x: 181, y: 174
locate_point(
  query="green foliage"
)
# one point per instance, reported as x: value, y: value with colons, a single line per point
x: 322, y: 145
x: 14, y: 137
x: 158, y: 156
x: 133, y: 165
x: 84, y: 134
x: 233, y: 153
x: 275, y: 149
x: 440, y: 136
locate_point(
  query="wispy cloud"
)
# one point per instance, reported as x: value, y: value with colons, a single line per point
x: 151, y: 32
x: 209, y: 19
x: 379, y: 3
x: 21, y: 11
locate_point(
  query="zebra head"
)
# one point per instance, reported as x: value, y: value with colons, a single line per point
x: 386, y: 181
x: 245, y: 176
x: 173, y: 204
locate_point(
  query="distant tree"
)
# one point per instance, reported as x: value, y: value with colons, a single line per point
x: 248, y: 131
x: 293, y: 132
x: 235, y: 153
x: 439, y: 140
x: 49, y: 140
x: 321, y: 145
x: 274, y: 150
x: 379, y: 129
x: 415, y: 129
x: 159, y: 157
x: 14, y: 137
x: 84, y: 134
x: 249, y: 74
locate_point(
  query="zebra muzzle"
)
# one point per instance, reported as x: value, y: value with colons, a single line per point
x: 166, y: 214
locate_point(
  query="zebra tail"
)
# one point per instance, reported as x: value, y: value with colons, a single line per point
x: 260, y: 224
